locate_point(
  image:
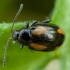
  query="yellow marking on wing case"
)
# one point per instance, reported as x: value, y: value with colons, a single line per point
x: 40, y: 30
x: 60, y: 31
x: 38, y: 46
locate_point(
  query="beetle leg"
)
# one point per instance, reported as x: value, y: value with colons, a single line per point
x: 21, y: 46
x: 30, y: 48
x: 34, y: 22
x: 46, y: 21
x: 43, y: 23
x: 27, y: 24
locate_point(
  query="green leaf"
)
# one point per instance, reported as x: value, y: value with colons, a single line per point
x: 26, y: 59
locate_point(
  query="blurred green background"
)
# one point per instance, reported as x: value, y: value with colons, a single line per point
x: 32, y: 10
x: 25, y: 59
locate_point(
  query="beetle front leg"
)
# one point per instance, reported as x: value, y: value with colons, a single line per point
x: 21, y: 46
x: 27, y: 24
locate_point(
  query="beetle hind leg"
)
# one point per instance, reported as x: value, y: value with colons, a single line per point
x: 46, y: 21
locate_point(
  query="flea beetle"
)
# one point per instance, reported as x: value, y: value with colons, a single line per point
x: 41, y: 36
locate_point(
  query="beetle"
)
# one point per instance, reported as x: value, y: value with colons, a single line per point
x: 40, y: 36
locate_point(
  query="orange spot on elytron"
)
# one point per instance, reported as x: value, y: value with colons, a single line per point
x: 60, y: 31
x: 38, y: 46
x: 39, y: 30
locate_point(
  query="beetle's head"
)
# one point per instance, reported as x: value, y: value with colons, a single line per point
x: 15, y: 35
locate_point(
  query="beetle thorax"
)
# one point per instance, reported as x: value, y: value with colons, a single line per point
x: 24, y: 35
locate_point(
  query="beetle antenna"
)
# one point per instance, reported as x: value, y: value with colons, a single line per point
x: 4, y: 60
x: 5, y: 52
x: 20, y: 9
